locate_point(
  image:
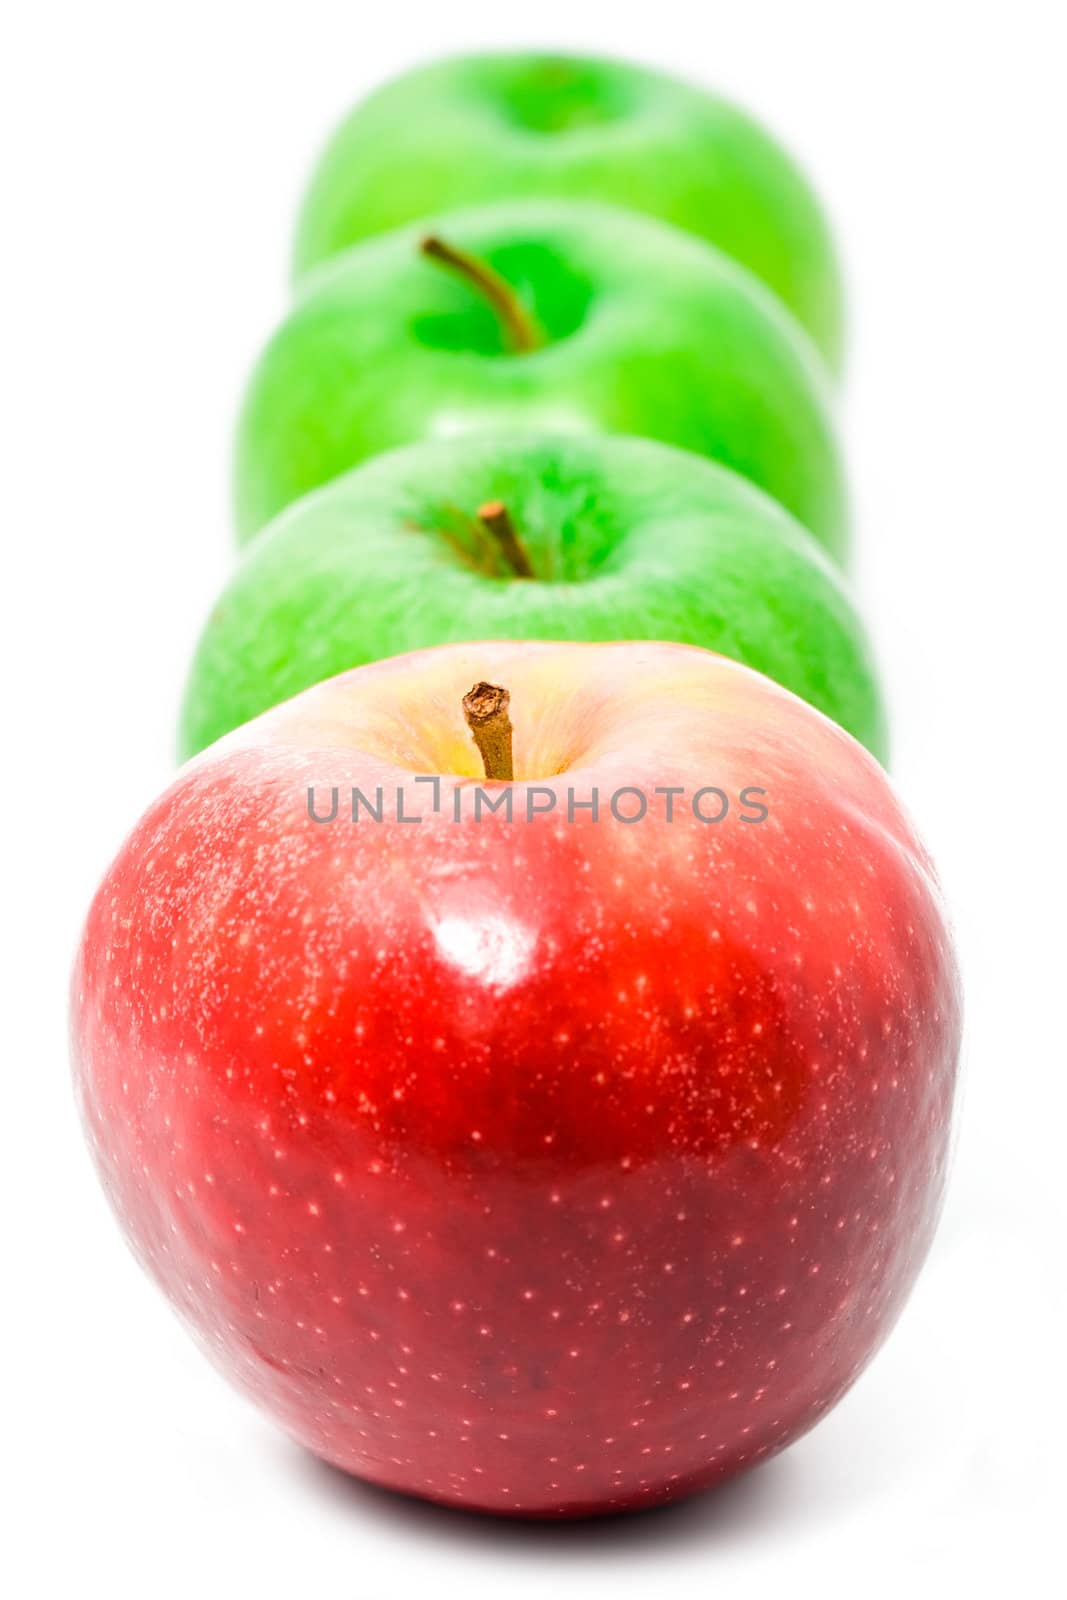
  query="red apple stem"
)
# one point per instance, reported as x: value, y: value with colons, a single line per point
x: 496, y: 520
x: 522, y: 333
x: 486, y: 709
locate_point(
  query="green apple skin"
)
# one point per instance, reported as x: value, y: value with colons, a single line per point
x: 627, y: 539
x: 484, y: 128
x: 645, y: 330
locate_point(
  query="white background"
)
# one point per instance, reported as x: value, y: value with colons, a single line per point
x: 153, y: 157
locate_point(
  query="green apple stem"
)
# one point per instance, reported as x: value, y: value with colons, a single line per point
x: 486, y: 710
x: 496, y: 520
x: 523, y: 334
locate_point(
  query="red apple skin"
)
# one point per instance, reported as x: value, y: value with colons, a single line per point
x: 546, y: 1169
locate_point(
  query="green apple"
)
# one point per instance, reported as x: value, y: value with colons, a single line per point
x: 539, y: 316
x: 493, y: 537
x: 487, y: 127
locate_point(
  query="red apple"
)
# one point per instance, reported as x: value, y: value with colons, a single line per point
x: 543, y: 1166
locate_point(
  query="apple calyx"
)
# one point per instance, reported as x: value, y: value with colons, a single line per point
x: 496, y: 520
x: 485, y: 708
x: 520, y: 329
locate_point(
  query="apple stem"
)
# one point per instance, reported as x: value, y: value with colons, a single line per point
x: 496, y: 520
x: 523, y: 334
x: 486, y: 710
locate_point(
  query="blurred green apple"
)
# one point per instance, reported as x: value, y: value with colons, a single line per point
x: 490, y: 127
x: 539, y: 315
